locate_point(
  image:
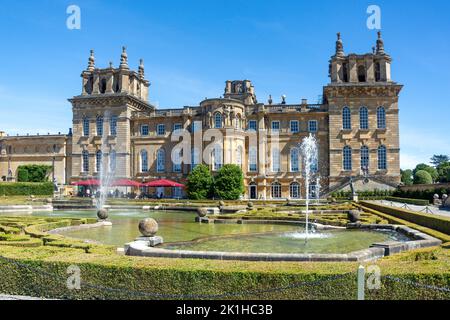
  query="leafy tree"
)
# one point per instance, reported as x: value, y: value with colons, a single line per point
x: 431, y: 170
x: 437, y: 159
x: 229, y: 182
x: 407, y: 177
x: 443, y: 170
x: 422, y: 177
x: 199, y: 183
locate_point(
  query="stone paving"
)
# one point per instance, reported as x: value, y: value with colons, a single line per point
x: 10, y: 297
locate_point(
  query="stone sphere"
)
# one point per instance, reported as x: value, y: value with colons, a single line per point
x: 436, y: 196
x: 250, y: 205
x: 148, y: 227
x: 221, y: 203
x: 444, y: 196
x: 354, y: 215
x: 102, y: 214
x: 202, y: 212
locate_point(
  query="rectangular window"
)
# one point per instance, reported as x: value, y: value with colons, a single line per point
x: 113, y: 126
x: 294, y: 126
x: 252, y: 160
x: 177, y: 126
x: 161, y: 130
x: 253, y: 125
x: 276, y: 160
x: 275, y: 126
x: 312, y: 126
x: 144, y: 130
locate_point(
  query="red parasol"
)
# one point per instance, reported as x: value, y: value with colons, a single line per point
x: 163, y: 183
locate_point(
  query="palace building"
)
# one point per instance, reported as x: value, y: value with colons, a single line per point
x: 356, y: 126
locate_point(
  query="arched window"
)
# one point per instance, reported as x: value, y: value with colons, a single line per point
x: 218, y: 120
x: 253, y: 159
x: 113, y: 126
x: 144, y: 161
x: 346, y: 119
x: 177, y: 159
x: 195, y: 155
x: 347, y: 158
x: 86, y: 126
x: 161, y: 160
x: 239, y: 156
x: 363, y: 118
x: 85, y: 161
x: 112, y: 161
x: 295, y: 160
x: 276, y: 190
x: 294, y: 190
x: 217, y: 158
x: 364, y: 158
x: 361, y: 74
x: 276, y: 160
x: 99, y: 123
x: 381, y: 118
x: 382, y: 163
x: 98, y: 160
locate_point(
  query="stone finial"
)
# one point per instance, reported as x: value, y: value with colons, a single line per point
x: 141, y: 69
x: 380, y: 44
x: 270, y: 99
x: 124, y: 59
x: 339, y: 46
x: 110, y: 65
x: 283, y: 99
x: 91, y: 64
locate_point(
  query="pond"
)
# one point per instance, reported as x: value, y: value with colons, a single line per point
x: 180, y: 231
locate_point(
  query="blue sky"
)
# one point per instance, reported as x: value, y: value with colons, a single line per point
x: 191, y: 47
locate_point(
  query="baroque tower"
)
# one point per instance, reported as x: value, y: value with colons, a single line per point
x: 101, y: 117
x: 363, y: 118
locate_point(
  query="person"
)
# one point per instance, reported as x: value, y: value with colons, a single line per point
x: 88, y: 192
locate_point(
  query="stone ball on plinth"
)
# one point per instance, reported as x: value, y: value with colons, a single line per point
x: 102, y: 214
x: 202, y: 212
x: 148, y: 227
x: 354, y: 215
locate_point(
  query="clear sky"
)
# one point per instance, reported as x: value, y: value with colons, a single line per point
x: 191, y: 47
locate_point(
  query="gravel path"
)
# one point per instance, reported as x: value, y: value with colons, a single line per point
x: 432, y: 209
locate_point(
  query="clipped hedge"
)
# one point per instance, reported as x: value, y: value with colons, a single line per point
x: 109, y: 276
x: 419, y: 202
x: 435, y: 222
x: 26, y: 189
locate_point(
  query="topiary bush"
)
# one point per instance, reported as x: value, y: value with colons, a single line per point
x: 199, y: 183
x: 422, y: 177
x: 229, y: 182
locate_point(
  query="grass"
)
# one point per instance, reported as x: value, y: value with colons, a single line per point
x: 22, y: 200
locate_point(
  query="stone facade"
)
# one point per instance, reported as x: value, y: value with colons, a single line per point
x: 356, y: 126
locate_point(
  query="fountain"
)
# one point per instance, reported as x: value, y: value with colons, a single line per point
x: 106, y: 175
x: 308, y: 149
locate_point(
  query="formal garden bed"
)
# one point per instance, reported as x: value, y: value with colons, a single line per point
x: 34, y: 262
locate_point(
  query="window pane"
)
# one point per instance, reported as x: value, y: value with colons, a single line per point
x: 346, y: 119
x: 294, y: 126
x: 312, y: 125
x: 363, y: 118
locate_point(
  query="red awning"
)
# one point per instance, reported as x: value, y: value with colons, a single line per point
x: 89, y: 182
x: 125, y: 183
x: 163, y: 183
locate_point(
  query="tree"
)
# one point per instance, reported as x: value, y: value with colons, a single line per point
x: 407, y: 177
x: 443, y: 170
x: 437, y: 159
x: 422, y: 177
x: 432, y: 171
x: 199, y: 183
x: 229, y: 182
